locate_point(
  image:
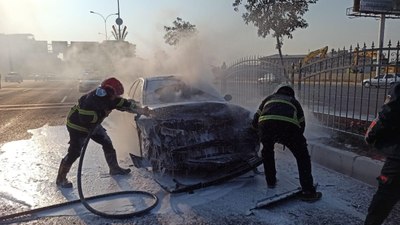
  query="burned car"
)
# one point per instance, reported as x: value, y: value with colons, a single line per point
x: 192, y: 129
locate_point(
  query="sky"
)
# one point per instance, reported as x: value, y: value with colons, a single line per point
x: 222, y: 30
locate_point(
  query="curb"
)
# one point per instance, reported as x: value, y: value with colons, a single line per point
x: 358, y: 167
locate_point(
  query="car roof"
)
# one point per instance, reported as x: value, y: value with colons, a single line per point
x: 158, y: 79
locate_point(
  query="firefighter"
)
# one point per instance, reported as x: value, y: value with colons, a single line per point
x: 383, y: 134
x: 86, y: 117
x: 280, y: 119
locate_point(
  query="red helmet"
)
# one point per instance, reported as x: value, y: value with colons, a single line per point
x: 112, y: 86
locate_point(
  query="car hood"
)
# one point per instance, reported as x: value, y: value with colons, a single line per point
x: 203, y: 135
x: 200, y: 110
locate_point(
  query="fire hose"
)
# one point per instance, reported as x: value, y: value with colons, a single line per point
x: 103, y: 214
x: 6, y: 219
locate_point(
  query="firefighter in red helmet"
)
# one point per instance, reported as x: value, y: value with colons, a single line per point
x: 86, y: 116
x: 280, y: 119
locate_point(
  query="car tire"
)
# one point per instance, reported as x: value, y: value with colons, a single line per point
x: 367, y: 84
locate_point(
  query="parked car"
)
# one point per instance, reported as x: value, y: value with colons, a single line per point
x: 266, y: 79
x: 191, y: 127
x: 13, y: 77
x: 88, y: 84
x: 383, y: 80
x: 44, y: 77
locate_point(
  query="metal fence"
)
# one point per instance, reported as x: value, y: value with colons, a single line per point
x: 340, y: 90
x: 249, y: 79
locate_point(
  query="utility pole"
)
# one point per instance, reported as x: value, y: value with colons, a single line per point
x: 119, y: 22
x: 381, y: 41
x: 105, y: 21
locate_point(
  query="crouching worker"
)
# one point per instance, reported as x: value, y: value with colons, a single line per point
x: 86, y: 116
x: 280, y: 119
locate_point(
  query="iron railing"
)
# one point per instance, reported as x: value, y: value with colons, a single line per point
x: 339, y: 90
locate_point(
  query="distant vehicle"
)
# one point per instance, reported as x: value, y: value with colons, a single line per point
x: 13, y: 77
x: 383, y: 80
x: 43, y: 77
x: 37, y: 77
x: 267, y: 79
x: 88, y: 84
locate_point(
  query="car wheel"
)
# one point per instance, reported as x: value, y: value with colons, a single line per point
x: 367, y: 84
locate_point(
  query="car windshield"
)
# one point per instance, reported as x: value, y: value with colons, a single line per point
x: 173, y: 90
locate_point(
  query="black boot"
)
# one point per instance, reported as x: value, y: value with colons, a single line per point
x: 310, y: 195
x: 112, y: 162
x: 62, y: 180
x: 271, y: 183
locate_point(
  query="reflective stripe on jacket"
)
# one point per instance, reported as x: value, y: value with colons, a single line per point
x: 278, y: 107
x: 92, y: 109
x: 82, y: 112
x: 294, y: 120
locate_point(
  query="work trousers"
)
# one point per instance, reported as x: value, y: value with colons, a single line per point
x: 291, y: 136
x: 387, y: 195
x: 77, y: 140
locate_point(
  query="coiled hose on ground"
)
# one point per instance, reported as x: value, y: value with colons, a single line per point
x: 12, y: 218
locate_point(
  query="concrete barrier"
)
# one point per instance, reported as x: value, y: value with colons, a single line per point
x: 359, y: 167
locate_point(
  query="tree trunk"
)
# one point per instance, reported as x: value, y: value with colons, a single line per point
x: 279, y: 46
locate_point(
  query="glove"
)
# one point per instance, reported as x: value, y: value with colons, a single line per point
x: 370, y: 140
x: 107, y: 112
x: 369, y: 137
x: 132, y: 107
x: 143, y: 111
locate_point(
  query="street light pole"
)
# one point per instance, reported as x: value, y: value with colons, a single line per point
x: 119, y: 24
x: 105, y: 21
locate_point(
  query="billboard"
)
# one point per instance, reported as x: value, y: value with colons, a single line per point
x: 377, y: 6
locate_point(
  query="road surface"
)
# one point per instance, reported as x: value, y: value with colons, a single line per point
x: 29, y: 163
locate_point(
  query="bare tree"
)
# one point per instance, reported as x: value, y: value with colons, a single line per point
x: 179, y: 31
x: 276, y: 17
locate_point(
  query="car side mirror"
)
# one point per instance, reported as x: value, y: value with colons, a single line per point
x: 228, y: 97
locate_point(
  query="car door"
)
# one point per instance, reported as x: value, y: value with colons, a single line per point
x: 378, y: 80
x: 388, y: 79
x: 136, y: 93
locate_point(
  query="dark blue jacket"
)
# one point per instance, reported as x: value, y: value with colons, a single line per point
x: 384, y: 131
x: 279, y: 107
x: 92, y: 109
